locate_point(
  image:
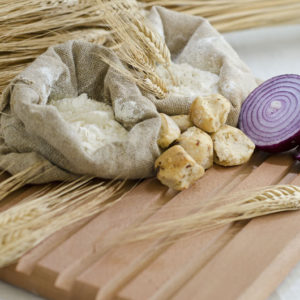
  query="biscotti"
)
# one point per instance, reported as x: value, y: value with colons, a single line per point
x: 199, y: 145
x: 183, y: 122
x: 169, y: 131
x: 210, y: 113
x: 177, y: 169
x: 231, y: 146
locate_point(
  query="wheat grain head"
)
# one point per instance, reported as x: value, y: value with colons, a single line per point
x: 154, y: 84
x: 24, y: 230
x: 153, y: 43
x: 141, y: 50
x: 246, y: 205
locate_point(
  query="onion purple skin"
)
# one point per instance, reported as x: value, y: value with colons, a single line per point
x: 281, y: 147
x: 258, y: 116
x: 297, y: 155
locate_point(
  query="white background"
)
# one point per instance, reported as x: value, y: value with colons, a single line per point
x: 268, y: 52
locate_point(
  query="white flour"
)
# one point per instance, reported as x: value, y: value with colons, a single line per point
x: 192, y: 82
x: 93, y: 121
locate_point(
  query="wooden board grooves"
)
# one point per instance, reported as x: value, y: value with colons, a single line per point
x: 29, y: 260
x: 131, y: 256
x: 191, y: 251
x: 71, y: 264
x: 175, y: 283
x: 105, y: 224
x: 246, y: 246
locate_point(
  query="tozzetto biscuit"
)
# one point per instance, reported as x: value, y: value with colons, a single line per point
x: 169, y: 131
x: 177, y: 169
x: 199, y: 145
x: 231, y: 146
x: 210, y: 113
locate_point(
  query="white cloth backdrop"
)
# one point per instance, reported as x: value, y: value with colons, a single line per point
x: 268, y: 52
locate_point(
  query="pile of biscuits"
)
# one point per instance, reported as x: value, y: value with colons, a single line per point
x: 193, y: 142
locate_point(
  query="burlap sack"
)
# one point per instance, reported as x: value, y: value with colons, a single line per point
x: 33, y: 131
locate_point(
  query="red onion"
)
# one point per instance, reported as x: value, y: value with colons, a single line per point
x: 270, y: 115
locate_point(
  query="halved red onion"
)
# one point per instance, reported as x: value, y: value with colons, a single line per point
x: 270, y: 115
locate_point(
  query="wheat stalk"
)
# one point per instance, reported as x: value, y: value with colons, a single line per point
x: 29, y: 27
x: 27, y: 224
x: 40, y: 202
x: 20, y: 179
x: 227, y: 15
x: 242, y: 206
x: 32, y: 26
x: 140, y: 47
x: 153, y: 45
x: 23, y: 51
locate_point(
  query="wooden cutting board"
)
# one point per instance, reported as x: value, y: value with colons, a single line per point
x: 247, y: 260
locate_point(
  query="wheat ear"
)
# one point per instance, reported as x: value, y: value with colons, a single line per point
x: 157, y: 48
x: 153, y: 83
x: 8, y: 220
x: 155, y: 45
x: 137, y: 59
x: 133, y: 51
x: 245, y: 206
x: 63, y: 206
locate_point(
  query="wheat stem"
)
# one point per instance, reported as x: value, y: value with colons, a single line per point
x: 38, y: 216
x: 244, y: 206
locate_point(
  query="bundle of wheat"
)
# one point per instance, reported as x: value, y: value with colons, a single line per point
x: 228, y: 15
x: 28, y: 28
x: 26, y: 224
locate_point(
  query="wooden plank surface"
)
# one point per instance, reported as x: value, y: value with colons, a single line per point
x: 246, y: 260
x: 195, y: 243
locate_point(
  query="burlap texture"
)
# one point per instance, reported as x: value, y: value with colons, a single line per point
x: 33, y: 131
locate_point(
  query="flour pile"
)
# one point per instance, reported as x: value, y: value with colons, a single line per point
x: 192, y: 82
x: 93, y: 121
